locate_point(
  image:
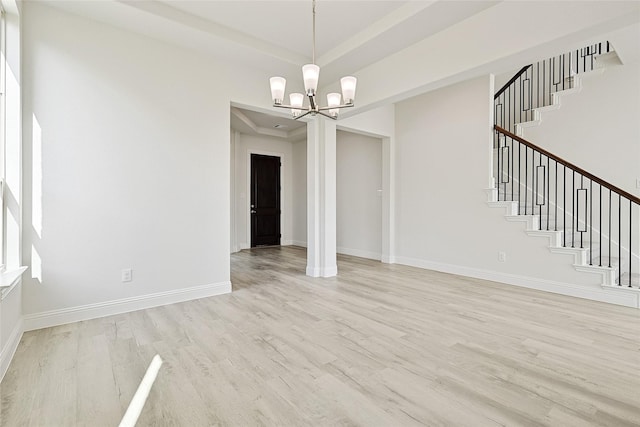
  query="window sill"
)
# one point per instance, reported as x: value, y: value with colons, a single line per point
x: 8, y: 280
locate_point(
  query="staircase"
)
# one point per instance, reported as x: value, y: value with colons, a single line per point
x: 579, y: 213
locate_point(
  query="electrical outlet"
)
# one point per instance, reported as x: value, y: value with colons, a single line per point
x: 502, y: 256
x: 127, y: 275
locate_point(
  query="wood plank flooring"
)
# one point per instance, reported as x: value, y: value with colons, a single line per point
x: 379, y: 345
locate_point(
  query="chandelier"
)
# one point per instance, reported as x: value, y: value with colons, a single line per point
x: 310, y: 75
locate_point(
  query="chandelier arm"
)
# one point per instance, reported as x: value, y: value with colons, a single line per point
x: 302, y: 115
x: 337, y: 106
x: 326, y: 115
x: 286, y: 106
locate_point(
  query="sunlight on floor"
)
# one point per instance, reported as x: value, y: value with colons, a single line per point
x: 140, y: 398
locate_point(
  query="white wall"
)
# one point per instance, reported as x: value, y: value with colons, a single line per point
x: 598, y: 128
x: 135, y: 164
x: 245, y: 145
x: 359, y: 195
x: 299, y: 178
x: 442, y: 220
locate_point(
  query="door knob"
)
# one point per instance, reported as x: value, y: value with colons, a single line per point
x: 252, y: 211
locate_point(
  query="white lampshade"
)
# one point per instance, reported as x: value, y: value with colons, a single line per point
x: 310, y: 75
x: 277, y: 89
x: 333, y: 100
x: 296, y: 100
x: 348, y: 89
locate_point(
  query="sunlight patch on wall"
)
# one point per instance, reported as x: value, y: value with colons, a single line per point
x: 36, y: 168
x: 36, y: 265
x: 12, y: 135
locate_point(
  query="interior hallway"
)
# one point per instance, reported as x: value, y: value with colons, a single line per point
x: 378, y: 345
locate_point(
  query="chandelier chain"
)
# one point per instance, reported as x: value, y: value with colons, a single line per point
x: 314, y: 33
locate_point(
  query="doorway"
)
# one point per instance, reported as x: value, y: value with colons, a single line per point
x: 265, y: 200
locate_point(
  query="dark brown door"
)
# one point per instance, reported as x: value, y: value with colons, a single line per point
x: 265, y: 200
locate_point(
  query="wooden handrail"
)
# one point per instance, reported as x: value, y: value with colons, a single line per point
x: 570, y: 165
x: 513, y: 79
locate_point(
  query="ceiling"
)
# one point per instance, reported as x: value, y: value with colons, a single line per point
x: 257, y: 123
x: 275, y: 36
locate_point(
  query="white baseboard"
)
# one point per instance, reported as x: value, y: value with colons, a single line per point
x: 359, y: 253
x: 331, y: 271
x: 7, y: 353
x: 594, y: 293
x: 298, y: 243
x: 388, y: 259
x: 313, y: 272
x: 91, y: 311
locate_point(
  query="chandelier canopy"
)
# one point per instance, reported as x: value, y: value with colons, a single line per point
x: 310, y: 75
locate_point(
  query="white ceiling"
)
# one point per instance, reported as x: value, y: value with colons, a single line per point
x: 274, y: 36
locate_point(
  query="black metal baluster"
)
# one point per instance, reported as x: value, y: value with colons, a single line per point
x: 526, y: 176
x: 591, y: 222
x: 585, y: 213
x: 564, y: 198
x: 610, y: 237
x: 538, y: 84
x: 520, y: 112
x: 620, y: 240
x: 519, y: 181
x: 562, y: 65
x: 556, y: 196
x: 548, y: 194
x: 573, y: 209
x: 508, y: 109
x: 499, y: 170
x: 601, y: 242
x: 630, y: 247
x: 511, y: 175
x: 544, y: 76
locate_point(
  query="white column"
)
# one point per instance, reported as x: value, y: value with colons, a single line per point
x: 388, y: 200
x: 321, y: 198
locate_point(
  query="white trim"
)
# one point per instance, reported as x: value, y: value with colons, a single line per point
x: 329, y: 271
x: 298, y: 243
x: 91, y: 311
x: 313, y: 271
x: 9, y: 350
x: 9, y: 280
x: 388, y: 259
x: 359, y: 253
x: 596, y: 293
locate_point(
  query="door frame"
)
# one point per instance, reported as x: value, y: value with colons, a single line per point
x: 281, y: 156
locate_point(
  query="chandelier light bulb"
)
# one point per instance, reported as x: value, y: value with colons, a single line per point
x: 278, y: 85
x: 296, y: 100
x: 348, y: 89
x: 310, y: 75
x: 333, y: 100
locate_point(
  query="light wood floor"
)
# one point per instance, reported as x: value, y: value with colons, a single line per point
x: 380, y: 345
